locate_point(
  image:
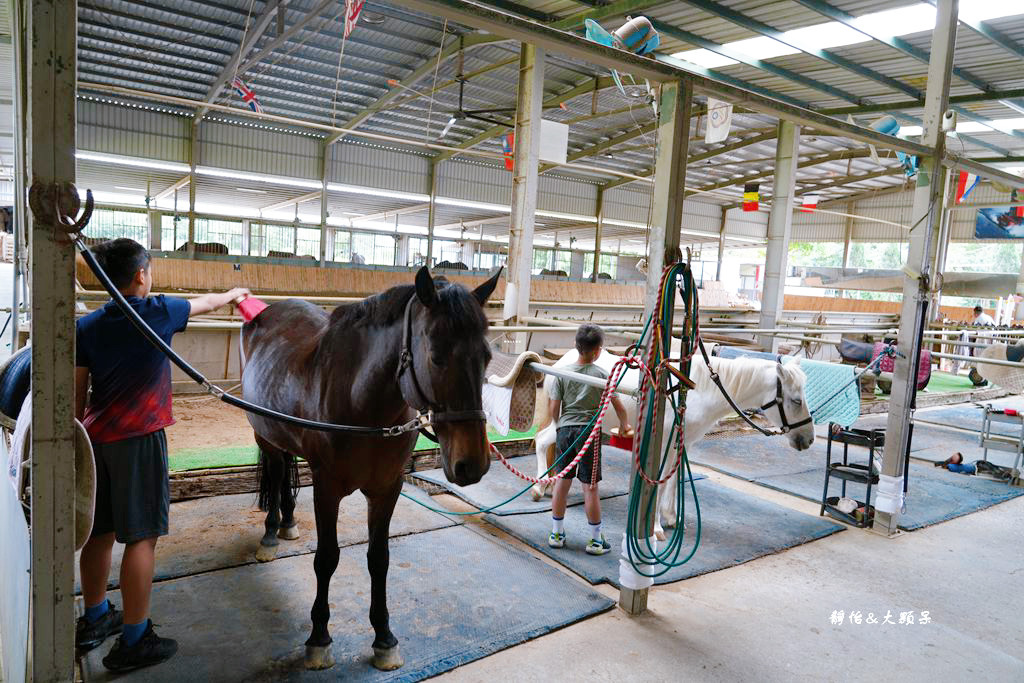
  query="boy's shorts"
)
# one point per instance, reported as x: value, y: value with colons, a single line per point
x: 133, y: 497
x: 566, y: 440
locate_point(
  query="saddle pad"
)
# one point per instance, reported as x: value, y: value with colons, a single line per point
x: 823, y: 380
x: 924, y: 371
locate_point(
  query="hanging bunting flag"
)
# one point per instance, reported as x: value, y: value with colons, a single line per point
x: 751, y: 196
x: 965, y: 183
x: 508, y: 149
x: 808, y: 203
x: 719, y: 121
x: 247, y: 95
x: 352, y: 10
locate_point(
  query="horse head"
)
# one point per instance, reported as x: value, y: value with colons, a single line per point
x: 790, y: 411
x: 448, y: 355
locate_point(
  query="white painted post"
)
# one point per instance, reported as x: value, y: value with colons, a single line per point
x: 780, y: 224
x: 193, y: 151
x: 51, y: 154
x: 325, y: 152
x: 530, y: 96
x: 924, y: 242
x: 666, y: 221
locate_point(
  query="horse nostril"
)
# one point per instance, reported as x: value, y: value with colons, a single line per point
x: 461, y: 471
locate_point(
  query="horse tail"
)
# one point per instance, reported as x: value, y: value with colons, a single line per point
x: 271, y: 468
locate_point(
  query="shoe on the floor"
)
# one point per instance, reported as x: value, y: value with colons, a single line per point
x: 556, y: 540
x: 150, y: 649
x: 90, y: 635
x: 596, y: 547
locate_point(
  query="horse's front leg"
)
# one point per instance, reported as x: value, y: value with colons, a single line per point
x: 325, y: 506
x: 386, y: 655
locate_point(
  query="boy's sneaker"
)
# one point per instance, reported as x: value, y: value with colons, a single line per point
x: 151, y: 649
x: 595, y: 547
x: 90, y: 635
x: 556, y: 540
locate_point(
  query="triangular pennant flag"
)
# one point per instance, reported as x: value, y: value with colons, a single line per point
x: 965, y: 184
x: 751, y: 196
x: 808, y: 203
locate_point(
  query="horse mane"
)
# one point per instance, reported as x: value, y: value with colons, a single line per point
x: 740, y: 376
x: 457, y: 309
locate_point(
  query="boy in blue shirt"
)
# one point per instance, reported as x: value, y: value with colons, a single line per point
x: 574, y: 405
x: 125, y: 416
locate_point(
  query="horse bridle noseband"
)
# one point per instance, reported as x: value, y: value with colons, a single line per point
x: 413, y: 392
x: 778, y: 401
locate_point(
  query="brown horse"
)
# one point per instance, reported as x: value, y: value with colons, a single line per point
x: 374, y: 364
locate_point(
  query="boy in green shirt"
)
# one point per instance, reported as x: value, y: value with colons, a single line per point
x: 573, y: 406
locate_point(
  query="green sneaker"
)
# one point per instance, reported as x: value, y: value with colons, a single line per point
x: 556, y: 540
x: 595, y: 547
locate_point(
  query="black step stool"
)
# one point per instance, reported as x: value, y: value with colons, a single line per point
x: 871, y: 439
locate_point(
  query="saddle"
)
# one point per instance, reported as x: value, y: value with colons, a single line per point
x: 856, y: 352
x: 510, y: 392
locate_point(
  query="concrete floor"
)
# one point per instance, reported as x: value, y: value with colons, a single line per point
x: 770, y: 619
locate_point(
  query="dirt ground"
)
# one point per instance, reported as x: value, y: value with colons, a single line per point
x: 204, y: 422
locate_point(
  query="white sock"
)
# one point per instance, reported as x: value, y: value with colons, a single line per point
x: 595, y: 531
x: 558, y: 525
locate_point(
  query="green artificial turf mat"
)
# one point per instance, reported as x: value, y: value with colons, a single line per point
x: 232, y: 456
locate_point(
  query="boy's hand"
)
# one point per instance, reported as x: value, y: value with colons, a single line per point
x: 238, y: 293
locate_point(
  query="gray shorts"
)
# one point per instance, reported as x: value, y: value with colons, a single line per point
x: 133, y: 497
x: 568, y: 442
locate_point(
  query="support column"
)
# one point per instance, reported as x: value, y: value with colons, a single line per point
x: 780, y: 225
x: 154, y: 220
x: 848, y: 235
x: 402, y: 250
x: 325, y: 152
x: 666, y: 223
x: 721, y: 244
x: 246, y: 236
x: 431, y: 213
x: 20, y: 92
x: 598, y: 233
x: 926, y: 218
x: 51, y: 153
x: 193, y: 152
x: 529, y: 98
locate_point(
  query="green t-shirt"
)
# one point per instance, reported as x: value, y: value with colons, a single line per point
x: 579, y: 401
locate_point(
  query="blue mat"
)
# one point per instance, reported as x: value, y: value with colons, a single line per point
x: 454, y: 596
x: 935, y: 444
x: 970, y: 416
x: 499, y: 484
x: 737, y: 528
x: 934, y: 495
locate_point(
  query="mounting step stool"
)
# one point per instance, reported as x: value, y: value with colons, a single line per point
x: 1002, y: 442
x: 872, y: 439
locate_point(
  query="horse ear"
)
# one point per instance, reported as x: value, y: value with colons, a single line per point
x: 780, y: 372
x: 425, y: 288
x: 484, y: 291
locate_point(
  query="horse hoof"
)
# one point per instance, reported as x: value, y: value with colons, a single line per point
x: 266, y: 553
x: 288, y: 533
x: 319, y: 657
x: 536, y: 495
x: 660, y: 535
x: 387, y: 659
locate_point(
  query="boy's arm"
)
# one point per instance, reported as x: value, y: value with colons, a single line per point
x: 211, y: 302
x: 554, y: 409
x: 81, y: 391
x: 620, y: 410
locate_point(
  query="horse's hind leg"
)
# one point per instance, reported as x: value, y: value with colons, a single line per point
x: 271, y: 469
x: 318, y: 645
x: 289, y: 529
x: 386, y: 655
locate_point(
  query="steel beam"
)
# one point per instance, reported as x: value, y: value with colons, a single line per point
x: 780, y: 227
x: 51, y: 159
x: 620, y: 8
x: 172, y: 188
x: 285, y: 203
x: 598, y: 234
x: 666, y: 219
x: 607, y: 144
x: 919, y: 280
x: 721, y: 243
x: 529, y: 98
x: 918, y: 104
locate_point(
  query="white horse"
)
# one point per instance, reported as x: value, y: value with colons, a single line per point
x: 752, y: 383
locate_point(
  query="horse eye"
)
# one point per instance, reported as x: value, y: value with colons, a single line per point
x: 798, y: 402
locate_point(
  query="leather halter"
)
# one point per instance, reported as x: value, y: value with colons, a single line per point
x: 413, y: 392
x: 777, y: 402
